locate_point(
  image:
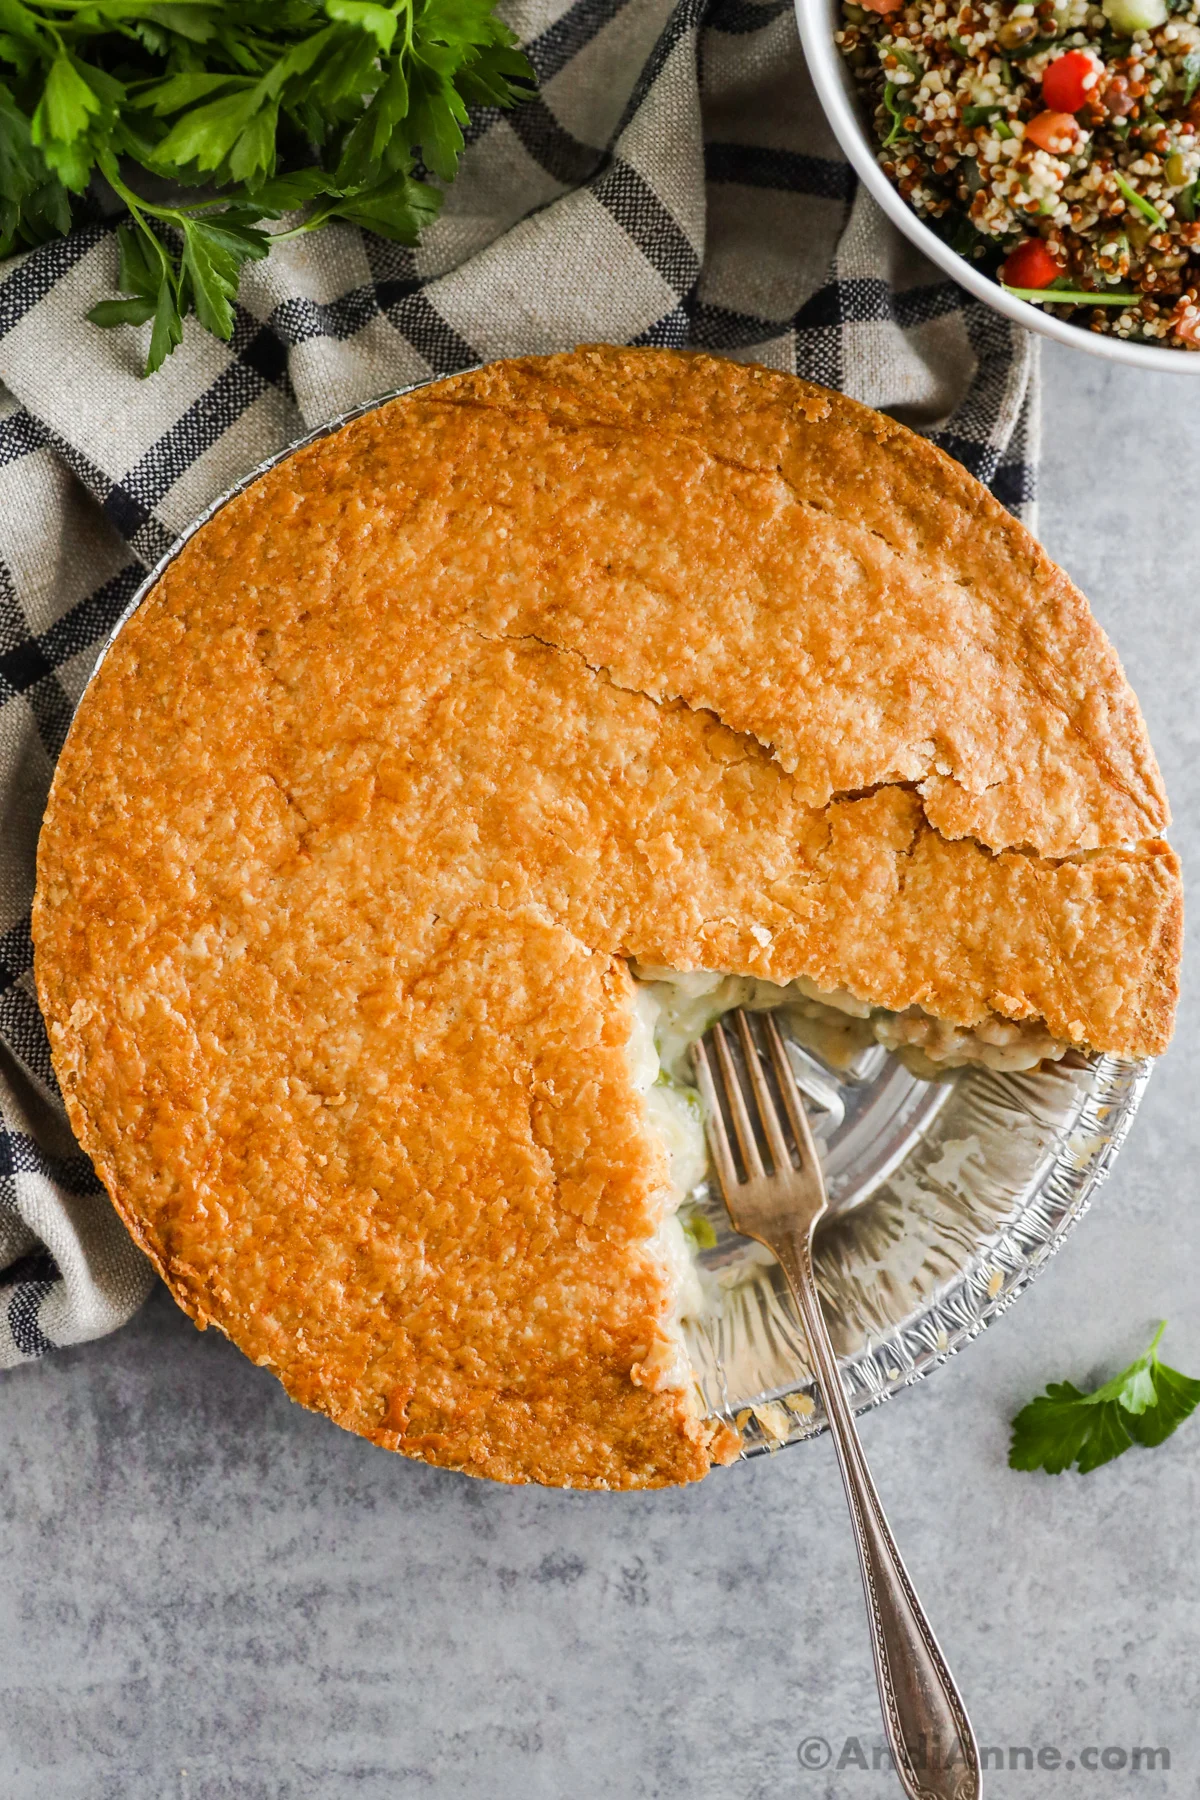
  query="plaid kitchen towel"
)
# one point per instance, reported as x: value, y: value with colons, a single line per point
x: 674, y: 183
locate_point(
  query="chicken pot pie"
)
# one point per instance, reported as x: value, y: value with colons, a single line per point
x: 561, y: 667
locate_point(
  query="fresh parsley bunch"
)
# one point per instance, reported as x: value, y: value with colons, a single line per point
x: 1143, y: 1404
x: 267, y: 106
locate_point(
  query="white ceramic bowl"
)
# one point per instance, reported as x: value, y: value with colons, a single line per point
x: 818, y: 20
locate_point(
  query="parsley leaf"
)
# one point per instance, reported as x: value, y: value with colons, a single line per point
x: 1177, y: 1397
x: 904, y: 57
x: 213, y: 253
x: 1144, y: 1404
x: 167, y: 334
x: 893, y: 99
x: 327, y: 109
x: 67, y: 104
x: 1191, y: 74
x: 398, y: 208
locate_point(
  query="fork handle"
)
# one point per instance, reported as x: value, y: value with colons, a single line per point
x: 931, y: 1740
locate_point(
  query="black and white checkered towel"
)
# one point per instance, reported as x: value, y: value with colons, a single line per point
x: 675, y: 184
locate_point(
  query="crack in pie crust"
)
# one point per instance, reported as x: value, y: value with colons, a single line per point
x: 616, y: 654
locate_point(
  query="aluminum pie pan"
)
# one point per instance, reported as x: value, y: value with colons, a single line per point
x: 984, y: 1194
x: 947, y: 1198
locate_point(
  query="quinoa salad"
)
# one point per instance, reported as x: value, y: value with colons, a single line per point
x: 1057, y: 143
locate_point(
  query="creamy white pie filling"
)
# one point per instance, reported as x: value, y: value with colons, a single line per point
x: 672, y: 1010
x: 1004, y: 1044
x: 837, y: 1025
x: 673, y: 1113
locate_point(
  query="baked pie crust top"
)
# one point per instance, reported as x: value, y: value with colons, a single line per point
x: 565, y: 661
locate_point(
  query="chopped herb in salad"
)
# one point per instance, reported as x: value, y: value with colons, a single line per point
x: 1055, y: 141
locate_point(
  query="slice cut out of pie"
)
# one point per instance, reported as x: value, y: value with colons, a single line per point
x: 616, y: 658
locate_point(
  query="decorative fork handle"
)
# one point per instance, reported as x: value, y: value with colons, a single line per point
x: 932, y: 1743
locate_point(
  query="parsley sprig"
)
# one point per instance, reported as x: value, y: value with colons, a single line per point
x: 1144, y: 1404
x: 336, y: 107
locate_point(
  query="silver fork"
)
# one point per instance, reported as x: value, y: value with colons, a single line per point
x: 932, y: 1743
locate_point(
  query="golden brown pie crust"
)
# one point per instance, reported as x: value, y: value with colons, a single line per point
x: 619, y: 653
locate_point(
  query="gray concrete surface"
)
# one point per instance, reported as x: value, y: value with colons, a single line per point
x: 206, y: 1593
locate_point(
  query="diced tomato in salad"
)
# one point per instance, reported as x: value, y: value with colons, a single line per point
x: 1030, y: 265
x: 1069, y: 80
x: 1053, y: 131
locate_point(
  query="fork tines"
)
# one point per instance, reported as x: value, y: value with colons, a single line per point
x: 779, y: 1150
